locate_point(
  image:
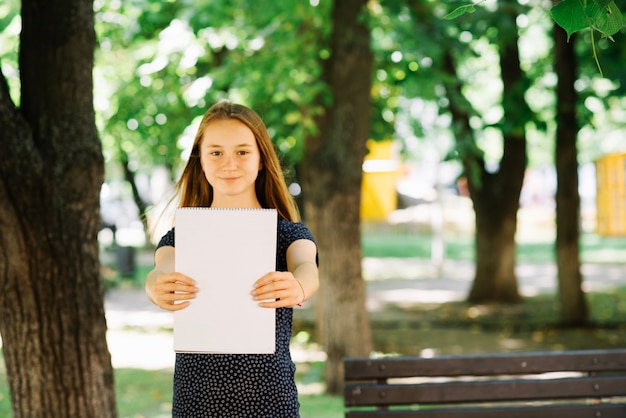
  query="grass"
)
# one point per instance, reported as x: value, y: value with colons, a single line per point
x: 143, y: 393
x: 148, y: 393
x: 390, y: 242
x: 321, y: 406
x: 457, y: 327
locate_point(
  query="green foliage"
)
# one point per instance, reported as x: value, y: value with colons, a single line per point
x: 461, y: 10
x: 162, y: 64
x: 576, y: 15
x: 597, y: 15
x: 572, y: 15
x: 10, y: 26
x: 408, y: 41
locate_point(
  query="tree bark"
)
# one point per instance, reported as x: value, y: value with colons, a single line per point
x: 331, y: 176
x: 573, y: 305
x: 51, y: 300
x: 495, y: 195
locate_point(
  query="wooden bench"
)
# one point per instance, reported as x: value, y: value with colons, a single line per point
x: 569, y: 384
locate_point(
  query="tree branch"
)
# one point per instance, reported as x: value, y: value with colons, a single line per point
x: 16, y: 143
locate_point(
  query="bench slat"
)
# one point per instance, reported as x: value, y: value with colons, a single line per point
x: 579, y: 411
x: 500, y: 390
x: 483, y: 365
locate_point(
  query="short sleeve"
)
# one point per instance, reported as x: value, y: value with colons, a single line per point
x: 167, y: 240
x: 290, y: 232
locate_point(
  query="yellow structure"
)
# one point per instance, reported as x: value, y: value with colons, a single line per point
x: 380, y: 176
x: 611, y: 195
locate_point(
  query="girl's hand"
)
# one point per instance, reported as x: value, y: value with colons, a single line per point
x: 172, y: 291
x: 278, y: 289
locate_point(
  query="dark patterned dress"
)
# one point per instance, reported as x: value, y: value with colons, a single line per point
x: 242, y: 385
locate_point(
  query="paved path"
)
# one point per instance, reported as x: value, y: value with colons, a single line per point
x: 403, y: 282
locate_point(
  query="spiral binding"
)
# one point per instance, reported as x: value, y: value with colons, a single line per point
x: 226, y: 209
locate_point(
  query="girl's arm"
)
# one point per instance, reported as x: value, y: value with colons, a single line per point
x: 280, y: 289
x: 166, y: 288
x: 301, y: 256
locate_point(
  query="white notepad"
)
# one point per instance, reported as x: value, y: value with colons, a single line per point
x: 225, y: 251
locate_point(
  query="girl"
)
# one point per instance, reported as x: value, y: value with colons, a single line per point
x: 233, y: 164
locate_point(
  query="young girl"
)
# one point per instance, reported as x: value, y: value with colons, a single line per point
x: 233, y: 164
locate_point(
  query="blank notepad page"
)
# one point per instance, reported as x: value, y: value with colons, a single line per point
x: 225, y: 251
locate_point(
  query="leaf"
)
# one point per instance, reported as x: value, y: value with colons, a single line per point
x: 461, y: 10
x: 570, y: 15
x: 602, y: 3
x: 607, y: 20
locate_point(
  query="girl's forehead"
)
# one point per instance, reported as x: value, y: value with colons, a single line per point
x: 227, y: 131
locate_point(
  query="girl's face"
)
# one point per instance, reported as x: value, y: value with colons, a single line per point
x: 231, y: 162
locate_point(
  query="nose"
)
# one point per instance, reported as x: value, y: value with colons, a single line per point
x: 229, y: 162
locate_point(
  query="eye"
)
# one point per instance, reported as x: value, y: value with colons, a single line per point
x: 215, y: 153
x: 243, y: 152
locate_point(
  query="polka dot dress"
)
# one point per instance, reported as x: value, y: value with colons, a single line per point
x: 242, y: 385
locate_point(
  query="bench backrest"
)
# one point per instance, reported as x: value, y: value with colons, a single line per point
x: 570, y: 384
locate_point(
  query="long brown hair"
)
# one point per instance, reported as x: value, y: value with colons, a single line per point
x: 271, y: 189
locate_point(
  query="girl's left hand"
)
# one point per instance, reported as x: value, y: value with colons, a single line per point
x: 278, y: 289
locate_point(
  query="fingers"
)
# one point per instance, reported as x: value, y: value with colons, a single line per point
x: 277, y: 290
x: 173, y: 291
x: 175, y: 306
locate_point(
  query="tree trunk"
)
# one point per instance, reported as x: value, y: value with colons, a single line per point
x: 573, y: 304
x: 495, y: 279
x: 495, y: 195
x: 51, y: 301
x: 496, y: 203
x: 331, y: 178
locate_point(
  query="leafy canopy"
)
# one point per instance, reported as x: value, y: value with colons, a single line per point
x: 574, y: 16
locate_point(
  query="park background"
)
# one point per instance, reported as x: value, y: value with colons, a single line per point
x: 160, y: 64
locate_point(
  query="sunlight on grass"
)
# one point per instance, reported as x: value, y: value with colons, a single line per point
x: 321, y: 406
x: 597, y: 249
x: 148, y: 393
x: 143, y: 393
x: 392, y: 242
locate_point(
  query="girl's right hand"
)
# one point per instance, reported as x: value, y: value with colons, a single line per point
x: 171, y: 291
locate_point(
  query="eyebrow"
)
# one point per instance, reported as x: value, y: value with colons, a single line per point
x: 208, y: 145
